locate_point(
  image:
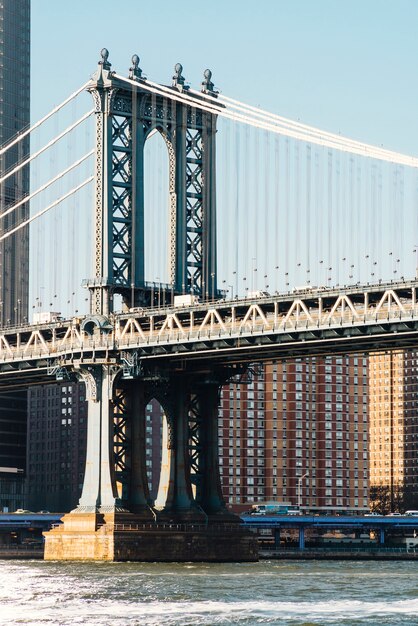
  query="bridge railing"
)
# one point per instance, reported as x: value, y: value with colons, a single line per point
x: 187, y: 330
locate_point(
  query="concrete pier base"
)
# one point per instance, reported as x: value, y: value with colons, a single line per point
x: 92, y: 537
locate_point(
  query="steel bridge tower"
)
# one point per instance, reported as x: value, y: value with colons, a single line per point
x: 116, y: 518
x: 126, y: 115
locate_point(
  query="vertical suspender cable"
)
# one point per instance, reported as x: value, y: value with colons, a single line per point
x: 373, y: 220
x: 317, y: 216
x: 238, y: 220
x: 308, y: 212
x: 330, y: 215
x: 337, y: 232
x: 256, y: 209
x: 352, y: 214
x: 276, y: 209
x: 268, y: 217
x: 380, y: 212
x: 287, y: 212
x: 403, y: 220
x: 345, y: 223
x: 359, y: 217
x: 367, y: 223
x: 297, y: 245
x: 246, y: 187
x: 228, y: 209
x: 395, y: 218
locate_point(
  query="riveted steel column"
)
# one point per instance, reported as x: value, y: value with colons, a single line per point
x: 181, y: 217
x: 209, y: 270
x: 209, y: 496
x: 99, y: 490
x: 90, y: 496
x: 139, y: 497
x: 100, y: 293
x: 179, y: 494
x: 108, y: 491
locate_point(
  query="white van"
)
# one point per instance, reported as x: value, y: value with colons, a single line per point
x: 411, y: 513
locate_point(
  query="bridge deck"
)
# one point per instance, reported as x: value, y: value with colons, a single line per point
x: 369, y: 318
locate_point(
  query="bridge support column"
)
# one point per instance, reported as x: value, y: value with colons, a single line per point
x: 98, y: 490
x: 208, y: 489
x: 114, y: 519
x: 87, y: 532
x: 139, y: 500
x: 381, y: 536
x: 179, y: 504
x: 301, y: 538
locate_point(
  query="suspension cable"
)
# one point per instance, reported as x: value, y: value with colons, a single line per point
x: 336, y: 141
x: 316, y: 132
x: 47, y: 184
x: 291, y: 124
x: 22, y: 135
x: 46, y: 146
x: 50, y: 206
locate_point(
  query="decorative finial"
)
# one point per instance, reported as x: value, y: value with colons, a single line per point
x: 104, y: 53
x: 135, y: 72
x: 178, y: 79
x: 207, y: 84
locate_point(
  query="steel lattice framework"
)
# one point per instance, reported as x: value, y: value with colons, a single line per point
x: 126, y: 115
x: 195, y: 445
x: 122, y: 444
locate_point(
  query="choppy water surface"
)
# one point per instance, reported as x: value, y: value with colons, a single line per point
x: 294, y: 593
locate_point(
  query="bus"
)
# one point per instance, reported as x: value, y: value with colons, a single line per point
x: 275, y: 508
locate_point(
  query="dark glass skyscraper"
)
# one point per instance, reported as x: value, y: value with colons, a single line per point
x: 14, y: 116
x: 14, y: 251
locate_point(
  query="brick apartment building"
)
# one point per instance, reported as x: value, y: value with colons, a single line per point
x: 393, y: 410
x: 312, y: 430
x: 298, y: 431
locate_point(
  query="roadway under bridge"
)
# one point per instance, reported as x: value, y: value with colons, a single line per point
x: 381, y: 527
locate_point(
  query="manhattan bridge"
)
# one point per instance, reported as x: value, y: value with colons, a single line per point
x: 176, y: 237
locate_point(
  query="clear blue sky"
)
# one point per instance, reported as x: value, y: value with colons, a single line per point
x: 348, y: 67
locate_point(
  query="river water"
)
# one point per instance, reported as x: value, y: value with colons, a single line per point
x: 294, y: 593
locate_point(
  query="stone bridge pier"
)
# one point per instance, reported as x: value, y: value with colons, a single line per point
x: 116, y: 518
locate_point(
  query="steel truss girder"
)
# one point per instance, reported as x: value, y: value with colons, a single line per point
x: 351, y: 319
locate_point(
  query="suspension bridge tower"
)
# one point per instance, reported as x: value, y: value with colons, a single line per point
x: 116, y: 518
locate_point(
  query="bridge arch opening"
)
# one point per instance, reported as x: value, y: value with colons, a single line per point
x: 156, y: 210
x: 157, y: 452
